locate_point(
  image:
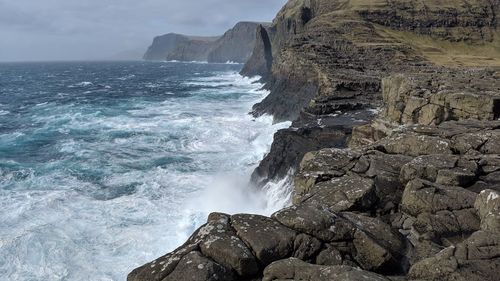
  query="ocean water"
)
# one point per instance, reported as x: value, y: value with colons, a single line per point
x: 105, y: 166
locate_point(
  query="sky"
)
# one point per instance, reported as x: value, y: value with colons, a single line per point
x: 41, y: 30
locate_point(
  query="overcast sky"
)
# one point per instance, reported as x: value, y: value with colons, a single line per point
x: 100, y: 29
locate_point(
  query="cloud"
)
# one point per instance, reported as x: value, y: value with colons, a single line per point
x: 93, y: 29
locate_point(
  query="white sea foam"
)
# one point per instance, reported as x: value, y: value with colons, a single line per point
x: 59, y: 225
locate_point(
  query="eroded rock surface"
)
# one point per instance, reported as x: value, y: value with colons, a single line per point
x: 409, y: 191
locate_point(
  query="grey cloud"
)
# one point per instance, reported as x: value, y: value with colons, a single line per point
x: 94, y: 29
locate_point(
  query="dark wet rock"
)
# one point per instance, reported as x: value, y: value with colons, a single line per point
x: 268, y: 239
x: 295, y: 269
x: 290, y: 146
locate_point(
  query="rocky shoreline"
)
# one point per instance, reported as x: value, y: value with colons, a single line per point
x: 411, y: 192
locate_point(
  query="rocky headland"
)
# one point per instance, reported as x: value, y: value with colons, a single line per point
x: 394, y: 149
x: 236, y: 45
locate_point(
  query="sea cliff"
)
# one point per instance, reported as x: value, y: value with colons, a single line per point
x: 235, y: 45
x: 394, y: 149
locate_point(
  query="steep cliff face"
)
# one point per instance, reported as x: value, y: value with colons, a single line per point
x: 192, y: 50
x: 331, y: 56
x: 236, y: 45
x: 409, y: 191
x: 163, y: 45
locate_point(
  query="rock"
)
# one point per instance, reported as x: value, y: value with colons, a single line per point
x: 425, y: 197
x: 350, y: 192
x: 474, y: 259
x: 294, y: 269
x: 268, y: 239
x: 369, y: 254
x: 323, y: 165
x: 488, y: 206
x: 306, y: 247
x: 224, y: 247
x: 378, y: 247
x: 195, y: 267
x: 316, y: 221
x: 290, y: 146
x: 329, y: 256
x: 163, y: 45
x: 261, y: 59
x: 412, y: 144
x: 236, y: 45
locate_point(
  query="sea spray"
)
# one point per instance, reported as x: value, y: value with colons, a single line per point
x: 105, y: 166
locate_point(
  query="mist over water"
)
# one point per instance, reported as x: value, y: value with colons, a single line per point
x: 105, y: 166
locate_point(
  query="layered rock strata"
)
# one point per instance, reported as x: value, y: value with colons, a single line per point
x: 408, y: 192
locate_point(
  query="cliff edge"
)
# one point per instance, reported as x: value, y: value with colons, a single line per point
x: 394, y: 149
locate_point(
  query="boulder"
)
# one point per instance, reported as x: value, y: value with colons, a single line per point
x: 316, y: 221
x: 268, y: 239
x: 195, y: 267
x: 488, y: 207
x: 350, y: 192
x: 295, y: 269
x: 224, y: 247
x: 425, y: 197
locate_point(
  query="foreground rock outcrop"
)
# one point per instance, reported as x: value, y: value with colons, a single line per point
x: 394, y: 149
x: 236, y: 45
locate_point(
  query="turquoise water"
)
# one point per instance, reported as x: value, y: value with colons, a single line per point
x: 105, y: 166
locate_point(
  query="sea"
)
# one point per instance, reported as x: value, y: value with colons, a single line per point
x: 105, y: 166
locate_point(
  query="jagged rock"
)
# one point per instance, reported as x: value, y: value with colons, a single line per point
x: 295, y: 269
x: 268, y: 239
x: 290, y: 146
x: 477, y: 258
x: 195, y: 267
x: 488, y: 206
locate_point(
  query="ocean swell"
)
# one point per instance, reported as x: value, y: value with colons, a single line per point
x: 93, y: 181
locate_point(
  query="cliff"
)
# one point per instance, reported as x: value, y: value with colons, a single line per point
x: 164, y: 45
x: 394, y: 146
x: 236, y: 45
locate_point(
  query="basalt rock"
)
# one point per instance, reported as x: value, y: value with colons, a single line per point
x: 394, y: 149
